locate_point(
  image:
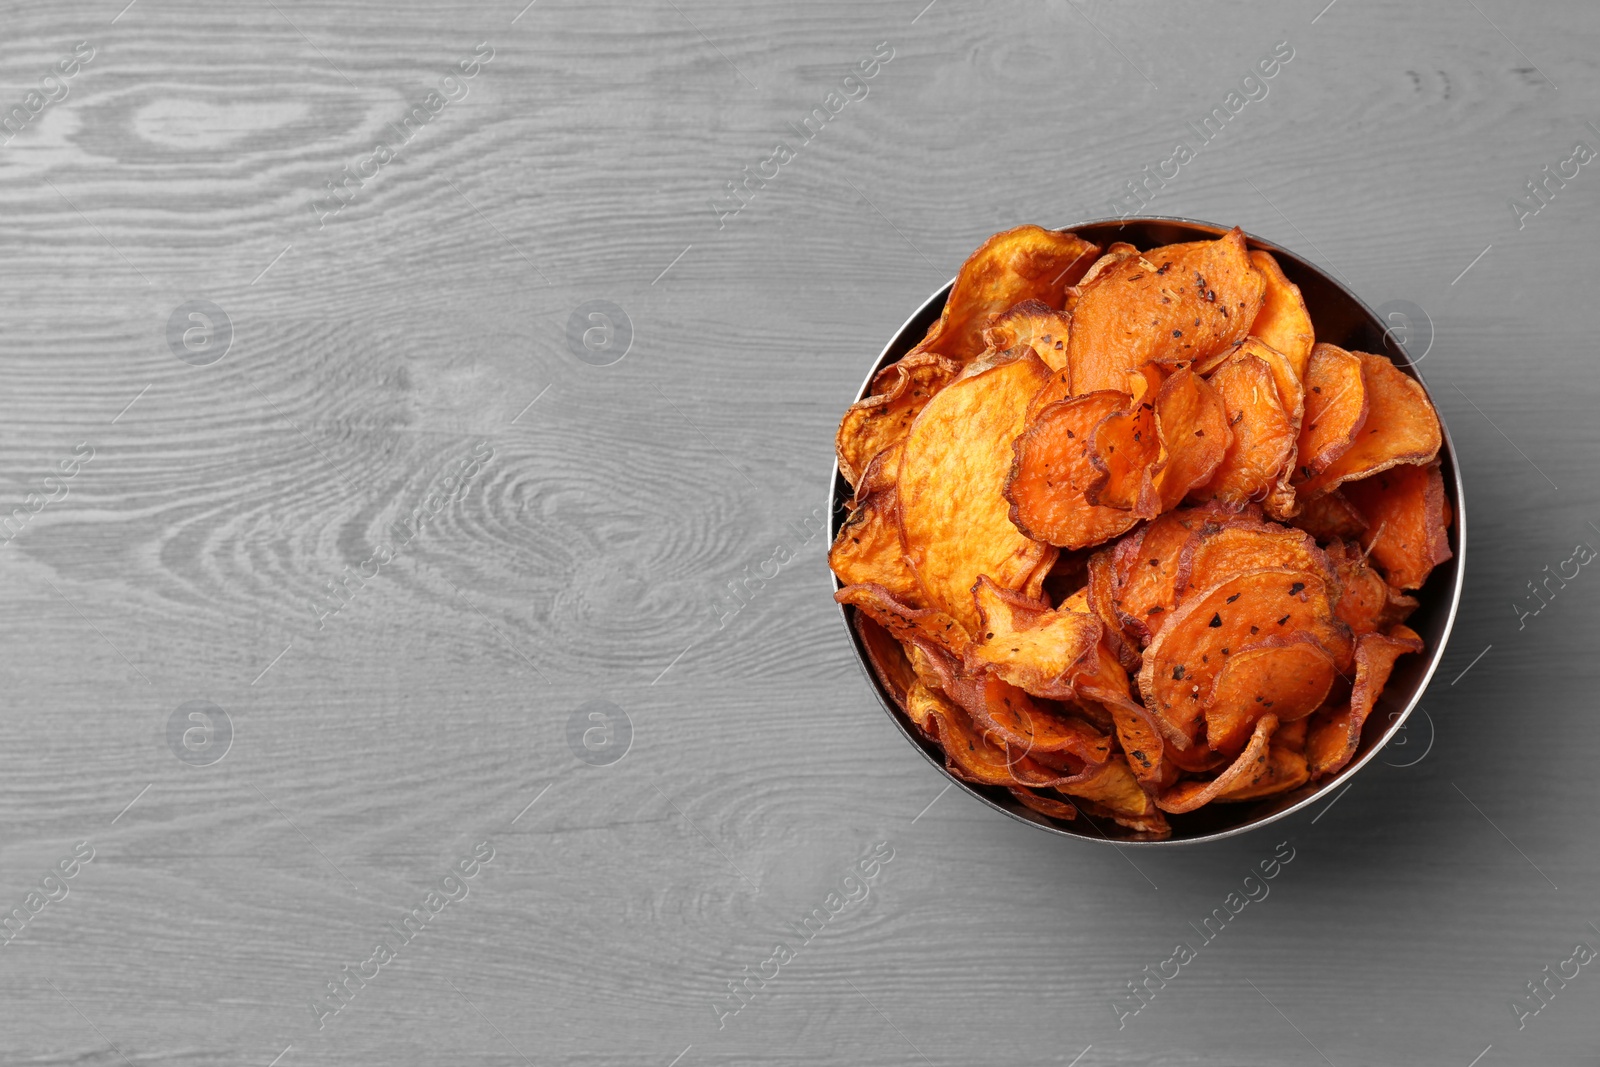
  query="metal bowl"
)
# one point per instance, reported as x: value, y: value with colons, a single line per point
x: 1341, y: 318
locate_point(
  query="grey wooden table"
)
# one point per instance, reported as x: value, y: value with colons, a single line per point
x: 348, y: 550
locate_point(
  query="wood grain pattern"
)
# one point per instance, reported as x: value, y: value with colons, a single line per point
x: 373, y: 354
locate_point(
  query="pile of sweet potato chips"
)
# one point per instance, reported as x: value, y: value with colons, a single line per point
x: 1125, y: 539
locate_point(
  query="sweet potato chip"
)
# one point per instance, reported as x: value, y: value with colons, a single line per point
x: 1050, y: 806
x: 1027, y: 263
x: 1401, y: 427
x: 1141, y: 740
x: 1193, y: 427
x: 955, y: 522
x: 1288, y: 676
x: 1152, y: 826
x: 1336, y: 409
x: 873, y: 424
x: 888, y: 658
x: 1028, y: 726
x: 1059, y: 387
x: 1104, y: 683
x: 1094, y: 713
x: 1292, y: 735
x: 1334, y: 736
x: 903, y: 621
x: 1116, y: 253
x: 1263, y: 434
x: 1184, y: 659
x: 867, y: 550
x: 1029, y: 644
x: 1035, y: 324
x: 1116, y: 789
x: 1240, y: 545
x: 1101, y: 589
x: 1291, y: 386
x: 1052, y: 472
x: 1285, y: 769
x: 923, y: 703
x: 1173, y: 305
x: 1405, y: 509
x: 1283, y: 321
x: 1367, y: 603
x: 1124, y: 448
x: 1007, y: 714
x: 1197, y: 759
x: 1280, y: 502
x: 1245, y: 771
x: 973, y: 750
x: 1331, y: 517
x: 1145, y: 566
x: 931, y: 662
x: 974, y: 756
x: 1283, y: 372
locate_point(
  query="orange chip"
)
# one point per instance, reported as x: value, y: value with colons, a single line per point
x: 1263, y: 434
x: 955, y: 522
x: 1124, y: 449
x: 1116, y: 253
x: 1140, y: 738
x: 1172, y: 305
x: 903, y: 621
x: 1280, y: 502
x: 922, y: 705
x: 1028, y: 726
x: 931, y: 662
x: 1029, y: 644
x: 981, y: 753
x: 1035, y: 324
x: 1401, y: 427
x: 1027, y: 263
x: 1145, y: 566
x: 1101, y: 590
x: 1102, y: 680
x: 1012, y: 718
x: 1288, y: 676
x: 1193, y: 428
x: 873, y: 424
x: 974, y: 756
x: 1291, y: 393
x: 1246, y: 771
x: 1406, y: 513
x: 1336, y: 408
x: 1283, y: 322
x: 1059, y: 387
x: 1116, y: 789
x: 1292, y: 735
x: 1052, y: 473
x: 1053, y: 807
x: 1334, y: 735
x: 1285, y: 769
x: 887, y: 656
x: 1184, y: 659
x: 1330, y: 517
x: 1367, y: 603
x: 867, y: 549
x: 1196, y: 759
x: 1239, y: 545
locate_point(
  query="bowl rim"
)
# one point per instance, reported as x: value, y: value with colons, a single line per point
x: 1454, y: 489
